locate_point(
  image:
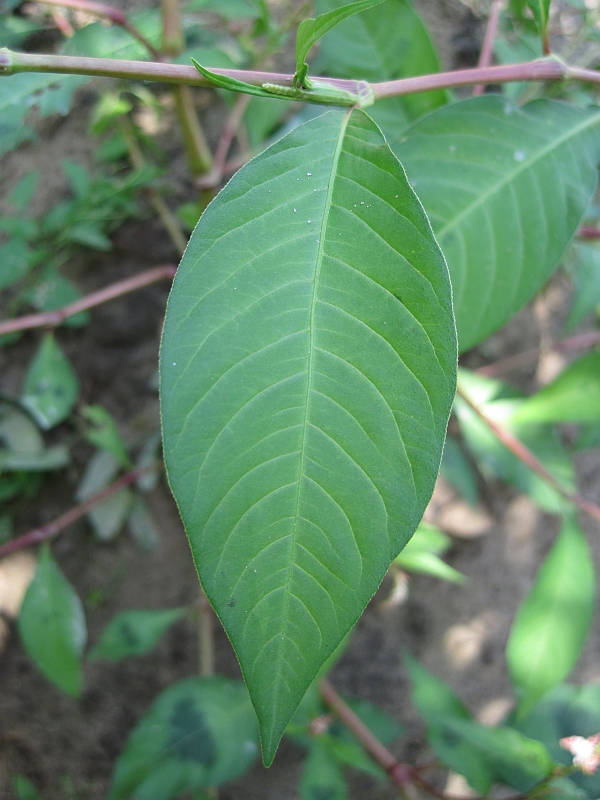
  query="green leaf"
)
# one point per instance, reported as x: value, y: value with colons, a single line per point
x: 104, y: 433
x: 132, y: 633
x: 500, y: 403
x: 24, y: 788
x: 422, y: 552
x: 584, y: 271
x: 505, y: 189
x: 439, y: 707
x: 574, y: 396
x: 53, y: 291
x: 307, y: 367
x: 565, y: 711
x: 51, y: 387
x: 515, y: 759
x: 383, y: 44
x: 199, y: 732
x: 458, y: 472
x: 23, y: 192
x: 53, y: 457
x: 552, y: 624
x: 311, y: 30
x: 15, y: 258
x: 142, y: 527
x: 541, y: 12
x: 52, y: 625
x: 108, y: 517
x: 322, y: 778
x: 231, y: 84
x: 353, y: 755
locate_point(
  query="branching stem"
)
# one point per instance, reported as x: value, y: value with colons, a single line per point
x: 487, y: 48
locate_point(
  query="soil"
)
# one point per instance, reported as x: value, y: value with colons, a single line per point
x: 67, y: 747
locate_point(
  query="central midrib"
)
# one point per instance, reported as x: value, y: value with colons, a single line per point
x: 327, y: 206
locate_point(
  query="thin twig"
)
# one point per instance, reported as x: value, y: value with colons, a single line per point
x: 525, y: 455
x: 197, y: 150
x: 232, y: 124
x: 115, y: 15
x: 59, y: 315
x: 580, y: 342
x: 487, y: 48
x: 60, y: 523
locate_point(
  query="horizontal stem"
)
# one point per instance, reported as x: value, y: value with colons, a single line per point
x: 60, y: 523
x: 518, y: 449
x: 53, y: 318
x: 543, y: 70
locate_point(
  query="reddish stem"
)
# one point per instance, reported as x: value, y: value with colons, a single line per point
x: 53, y: 318
x: 525, y: 455
x: 588, y: 232
x: 487, y: 48
x: 60, y: 523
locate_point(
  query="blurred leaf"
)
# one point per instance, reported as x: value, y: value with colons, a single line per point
x: 584, y: 271
x: 589, y: 436
x: 99, y: 472
x: 383, y: 44
x: 229, y: 9
x: 565, y: 711
x: 101, y: 41
x: 189, y: 214
x: 23, y: 192
x: 552, y: 623
x: 541, y: 12
x: 51, y: 387
x: 109, y: 108
x: 104, y: 433
x: 352, y: 754
x: 574, y: 396
x: 6, y: 528
x: 381, y: 725
x: 15, y: 261
x: 24, y: 788
x: 499, y: 402
x: 132, y: 633
x: 53, y: 291
x: 18, y: 432
x: 149, y: 454
x: 321, y: 775
x: 422, y: 552
x: 52, y: 625
x: 142, y: 527
x: 263, y: 116
x: 458, y: 472
x: 79, y: 178
x: 439, y: 707
x: 53, y: 457
x: 199, y: 732
x: 515, y: 759
x: 108, y: 517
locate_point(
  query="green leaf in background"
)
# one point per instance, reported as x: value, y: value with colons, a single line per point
x: 383, y: 44
x: 565, y: 711
x: 423, y: 551
x: 108, y: 517
x: 307, y: 368
x: 321, y: 775
x: 142, y: 527
x: 199, y: 732
x: 515, y: 759
x: 458, y: 472
x: 439, y: 706
x: 53, y: 291
x: 103, y: 433
x: 500, y: 402
x: 552, y: 623
x: 574, y: 396
x: 132, y: 633
x: 541, y: 12
x: 24, y: 788
x: 15, y: 261
x: 505, y: 189
x: 51, y: 388
x: 311, y: 30
x: 584, y: 271
x: 52, y: 625
x: 22, y: 194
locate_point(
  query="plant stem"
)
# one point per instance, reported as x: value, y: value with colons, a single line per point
x: 487, y: 48
x: 173, y: 40
x: 588, y: 232
x: 60, y: 523
x: 542, y: 70
x: 525, y: 455
x: 232, y: 124
x: 59, y: 315
x: 580, y: 342
x: 115, y: 15
x: 197, y: 150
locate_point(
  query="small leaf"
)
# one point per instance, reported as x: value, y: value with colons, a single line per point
x: 52, y: 625
x: 18, y: 432
x: 492, y: 177
x: 99, y: 472
x: 307, y: 367
x: 541, y: 13
x: 108, y: 517
x: 551, y: 626
x: 23, y: 192
x: 422, y: 552
x: 311, y: 30
x: 51, y: 387
x: 53, y: 291
x: 574, y: 396
x: 231, y: 84
x: 51, y: 458
x: 15, y: 258
x: 105, y: 434
x: 24, y: 788
x: 142, y: 527
x: 132, y: 633
x: 322, y: 778
x: 458, y: 472
x: 199, y: 732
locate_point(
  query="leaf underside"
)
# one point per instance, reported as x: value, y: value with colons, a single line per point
x: 505, y: 190
x: 307, y: 370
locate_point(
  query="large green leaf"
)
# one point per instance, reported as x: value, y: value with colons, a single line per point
x: 505, y: 189
x: 307, y: 367
x: 199, y: 732
x: 52, y: 625
x: 551, y: 625
x: 383, y: 44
